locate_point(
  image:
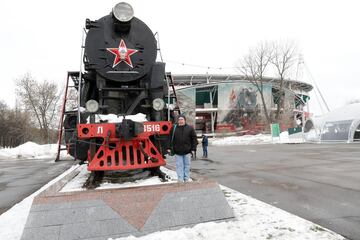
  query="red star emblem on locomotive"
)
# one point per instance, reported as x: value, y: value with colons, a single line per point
x: 122, y: 54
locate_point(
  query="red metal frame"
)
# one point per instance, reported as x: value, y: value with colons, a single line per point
x: 60, y: 131
x: 119, y: 154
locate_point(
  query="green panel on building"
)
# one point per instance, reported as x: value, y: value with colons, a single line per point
x: 294, y: 130
x: 275, y: 130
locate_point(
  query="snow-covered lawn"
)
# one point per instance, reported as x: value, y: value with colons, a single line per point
x: 31, y: 150
x: 257, y: 139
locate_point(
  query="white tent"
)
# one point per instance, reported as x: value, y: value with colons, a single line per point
x: 340, y: 125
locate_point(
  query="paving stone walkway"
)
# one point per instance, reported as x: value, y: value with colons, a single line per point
x: 100, y: 214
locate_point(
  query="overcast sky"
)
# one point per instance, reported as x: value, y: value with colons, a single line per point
x: 44, y: 38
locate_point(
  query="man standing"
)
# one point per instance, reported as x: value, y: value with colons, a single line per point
x: 205, y: 144
x: 183, y: 142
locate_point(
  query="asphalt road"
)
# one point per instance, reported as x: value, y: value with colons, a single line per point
x: 319, y: 182
x: 20, y: 178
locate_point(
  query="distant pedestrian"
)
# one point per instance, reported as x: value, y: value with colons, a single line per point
x: 183, y: 144
x: 205, y: 144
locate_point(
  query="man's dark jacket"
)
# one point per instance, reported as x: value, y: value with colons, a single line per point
x: 184, y: 140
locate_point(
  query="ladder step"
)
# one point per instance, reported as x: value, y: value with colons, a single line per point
x: 122, y: 89
x: 70, y: 129
x: 68, y: 112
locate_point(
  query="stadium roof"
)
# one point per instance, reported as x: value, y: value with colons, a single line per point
x: 194, y: 79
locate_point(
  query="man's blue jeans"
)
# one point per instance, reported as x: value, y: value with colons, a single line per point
x: 183, y: 167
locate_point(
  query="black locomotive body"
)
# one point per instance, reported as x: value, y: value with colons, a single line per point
x: 121, y: 77
x: 122, y: 72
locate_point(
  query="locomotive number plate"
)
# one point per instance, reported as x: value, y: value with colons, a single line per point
x: 155, y: 127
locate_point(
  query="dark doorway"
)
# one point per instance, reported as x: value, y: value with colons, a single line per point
x: 357, y: 134
x: 308, y: 126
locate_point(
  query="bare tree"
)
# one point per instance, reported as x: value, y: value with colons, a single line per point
x: 14, y: 126
x: 3, y: 123
x: 253, y: 66
x: 284, y: 59
x: 41, y: 100
x: 71, y: 102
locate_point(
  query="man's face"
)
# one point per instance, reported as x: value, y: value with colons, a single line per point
x: 181, y: 121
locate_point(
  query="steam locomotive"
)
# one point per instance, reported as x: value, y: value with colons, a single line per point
x: 121, y: 78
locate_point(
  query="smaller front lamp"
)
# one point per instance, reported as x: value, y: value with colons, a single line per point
x: 92, y: 106
x: 158, y: 104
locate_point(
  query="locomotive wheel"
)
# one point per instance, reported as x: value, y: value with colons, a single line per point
x: 157, y: 172
x: 94, y: 180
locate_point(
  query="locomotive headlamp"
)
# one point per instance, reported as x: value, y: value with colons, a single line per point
x: 158, y: 104
x: 92, y: 106
x: 123, y: 12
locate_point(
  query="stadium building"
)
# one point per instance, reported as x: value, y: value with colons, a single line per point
x: 231, y: 104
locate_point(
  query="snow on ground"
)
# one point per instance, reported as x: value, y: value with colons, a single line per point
x: 112, y: 118
x: 30, y: 150
x: 243, y: 140
x: 257, y: 139
x: 76, y: 184
x: 254, y: 219
x: 154, y: 180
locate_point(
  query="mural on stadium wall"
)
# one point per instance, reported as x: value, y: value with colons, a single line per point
x: 186, y: 101
x: 240, y: 106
